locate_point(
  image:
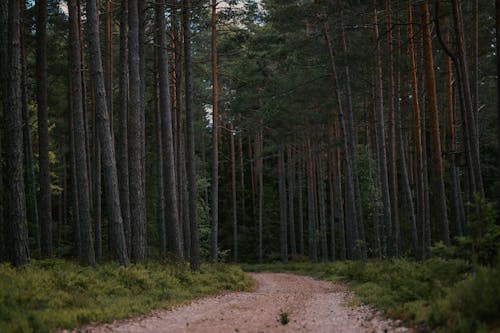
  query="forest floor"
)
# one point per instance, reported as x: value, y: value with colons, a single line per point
x: 309, y: 305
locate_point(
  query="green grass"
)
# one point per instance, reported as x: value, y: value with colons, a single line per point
x: 437, y: 294
x: 54, y: 294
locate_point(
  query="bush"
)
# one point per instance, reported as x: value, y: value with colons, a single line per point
x: 54, y: 294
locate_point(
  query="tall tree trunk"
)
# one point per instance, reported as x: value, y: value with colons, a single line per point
x: 259, y: 170
x: 80, y: 153
x: 233, y: 193
x: 469, y: 112
x: 436, y: 159
x: 215, y: 138
x: 291, y: 198
x: 123, y: 176
x: 12, y: 153
x: 321, y: 208
x: 4, y: 12
x: 300, y: 199
x: 242, y: 175
x: 497, y: 30
x: 310, y: 205
x: 475, y: 62
x: 458, y: 208
x: 283, y: 205
x: 416, y: 118
x: 351, y: 135
x: 107, y: 146
x: 382, y: 151
x: 45, y: 204
x: 97, y: 193
x: 108, y: 68
x: 190, y: 143
x: 167, y: 138
x: 353, y: 250
x: 29, y: 168
x: 331, y: 199
x: 160, y: 218
x: 391, y: 150
x: 137, y: 195
x: 403, y: 166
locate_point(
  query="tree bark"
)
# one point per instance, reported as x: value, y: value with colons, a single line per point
x: 291, y: 199
x: 391, y: 150
x: 171, y: 205
x: 469, y: 112
x: 137, y: 195
x: 12, y: 152
x: 108, y: 150
x: 259, y: 170
x: 300, y: 200
x: 29, y: 168
x: 418, y: 131
x: 215, y: 139
x: 321, y: 208
x: 382, y: 151
x: 123, y: 175
x: 160, y: 209
x: 441, y: 214
x: 45, y: 204
x: 283, y: 205
x: 310, y: 205
x: 233, y: 193
x: 190, y: 143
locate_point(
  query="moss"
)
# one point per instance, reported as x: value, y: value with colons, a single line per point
x: 52, y: 294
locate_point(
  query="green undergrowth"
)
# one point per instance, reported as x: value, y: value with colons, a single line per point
x: 52, y: 294
x: 435, y: 295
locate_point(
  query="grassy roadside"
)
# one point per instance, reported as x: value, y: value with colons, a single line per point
x: 434, y: 295
x: 54, y: 294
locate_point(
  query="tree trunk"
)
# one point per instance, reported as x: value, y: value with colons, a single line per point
x: 190, y: 143
x: 137, y: 195
x: 233, y: 193
x: 291, y: 197
x: 160, y: 218
x: 80, y: 153
x: 29, y: 168
x: 497, y: 30
x: 469, y: 112
x: 458, y: 208
x: 283, y: 205
x: 300, y: 200
x: 12, y: 153
x: 353, y: 250
x: 351, y: 137
x: 382, y: 152
x: 108, y: 68
x: 167, y: 138
x: 441, y: 214
x: 391, y: 150
x: 259, y: 169
x: 418, y: 131
x: 310, y: 205
x: 322, y: 209
x: 403, y: 166
x: 107, y: 146
x: 123, y: 176
x: 215, y: 139
x: 45, y: 204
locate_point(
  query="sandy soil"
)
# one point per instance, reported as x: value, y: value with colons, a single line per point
x: 312, y: 306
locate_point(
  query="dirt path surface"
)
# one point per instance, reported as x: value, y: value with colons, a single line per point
x: 312, y: 306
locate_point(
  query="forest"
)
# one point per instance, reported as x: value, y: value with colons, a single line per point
x: 191, y: 140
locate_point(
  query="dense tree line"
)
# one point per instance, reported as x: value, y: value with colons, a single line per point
x: 245, y: 130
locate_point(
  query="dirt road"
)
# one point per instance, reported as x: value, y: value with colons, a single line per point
x: 311, y: 305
